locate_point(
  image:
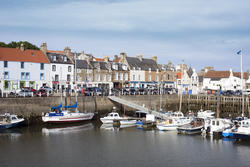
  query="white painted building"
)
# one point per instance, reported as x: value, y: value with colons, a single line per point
x: 223, y: 80
x: 23, y: 68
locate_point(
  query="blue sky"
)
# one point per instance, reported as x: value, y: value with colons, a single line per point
x: 202, y: 33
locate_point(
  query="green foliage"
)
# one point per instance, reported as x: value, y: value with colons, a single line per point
x: 14, y: 44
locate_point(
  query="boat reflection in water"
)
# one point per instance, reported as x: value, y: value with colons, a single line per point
x: 12, y: 134
x: 67, y: 129
x: 112, y: 127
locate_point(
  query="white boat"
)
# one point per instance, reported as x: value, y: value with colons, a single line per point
x: 128, y: 122
x: 217, y: 125
x: 9, y: 120
x: 207, y: 114
x: 111, y: 117
x: 243, y: 131
x: 174, y: 121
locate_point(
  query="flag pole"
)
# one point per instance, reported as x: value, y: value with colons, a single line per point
x: 242, y: 87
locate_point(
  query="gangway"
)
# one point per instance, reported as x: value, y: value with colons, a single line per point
x: 137, y: 106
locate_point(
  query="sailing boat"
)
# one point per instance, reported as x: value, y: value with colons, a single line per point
x: 66, y: 116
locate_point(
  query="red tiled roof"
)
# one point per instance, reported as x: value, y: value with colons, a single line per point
x: 238, y: 74
x: 55, y: 51
x: 28, y: 55
x: 98, y: 59
x: 217, y: 74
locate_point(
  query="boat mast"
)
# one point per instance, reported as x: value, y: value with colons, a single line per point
x: 75, y: 82
x: 242, y: 87
x: 181, y: 84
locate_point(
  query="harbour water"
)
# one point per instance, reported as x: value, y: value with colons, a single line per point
x: 91, y: 144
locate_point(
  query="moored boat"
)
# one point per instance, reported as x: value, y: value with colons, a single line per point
x: 9, y: 120
x: 111, y: 118
x: 195, y: 127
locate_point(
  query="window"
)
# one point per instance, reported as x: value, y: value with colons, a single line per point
x: 149, y: 69
x: 22, y: 84
x: 6, y: 84
x: 27, y: 76
x: 42, y: 66
x: 64, y: 58
x: 22, y: 64
x: 109, y: 77
x: 6, y: 75
x: 121, y: 76
x: 133, y: 77
x: 5, y: 64
x: 69, y: 68
x: 116, y: 76
x: 139, y: 68
x: 54, y: 58
x: 56, y: 77
x: 68, y: 77
x: 149, y: 77
x: 41, y: 76
x: 53, y: 67
x: 139, y: 77
x: 104, y: 77
x: 168, y: 76
x: 22, y: 75
x: 157, y: 78
x: 126, y: 76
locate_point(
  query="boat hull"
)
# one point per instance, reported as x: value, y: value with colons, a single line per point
x: 195, y: 130
x: 11, y: 125
x: 128, y: 122
x: 68, y: 119
x: 167, y: 127
x: 242, y: 136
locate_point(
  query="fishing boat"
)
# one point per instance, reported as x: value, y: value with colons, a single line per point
x: 218, y: 125
x: 243, y: 131
x: 175, y: 120
x: 8, y: 120
x: 195, y: 127
x: 112, y: 118
x: 57, y: 115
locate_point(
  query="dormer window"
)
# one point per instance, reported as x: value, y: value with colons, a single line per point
x: 157, y: 70
x: 139, y: 68
x: 54, y: 58
x: 64, y: 58
x: 149, y: 69
x: 133, y: 68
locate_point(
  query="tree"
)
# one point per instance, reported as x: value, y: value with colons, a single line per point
x: 14, y: 44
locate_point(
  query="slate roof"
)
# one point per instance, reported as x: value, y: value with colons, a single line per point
x: 145, y: 64
x: 59, y: 58
x: 102, y: 65
x: 82, y: 64
x: 28, y: 55
x: 190, y: 72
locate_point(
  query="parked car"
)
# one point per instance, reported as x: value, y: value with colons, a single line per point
x: 88, y: 91
x: 49, y: 89
x: 42, y: 92
x: 97, y: 91
x: 25, y: 93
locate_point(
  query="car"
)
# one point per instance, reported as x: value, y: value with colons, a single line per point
x: 25, y: 93
x: 42, y: 92
x: 49, y: 89
x: 97, y: 91
x: 89, y: 91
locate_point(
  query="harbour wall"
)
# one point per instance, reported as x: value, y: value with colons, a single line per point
x: 32, y: 108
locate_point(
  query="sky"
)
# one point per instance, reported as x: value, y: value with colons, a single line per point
x: 202, y: 33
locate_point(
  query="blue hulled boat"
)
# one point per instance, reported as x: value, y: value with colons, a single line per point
x: 9, y: 120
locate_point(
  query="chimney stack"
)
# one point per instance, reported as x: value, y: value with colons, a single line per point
x: 67, y: 51
x: 43, y: 48
x: 154, y: 58
x: 106, y: 59
x: 22, y: 47
x: 139, y: 56
x: 123, y: 56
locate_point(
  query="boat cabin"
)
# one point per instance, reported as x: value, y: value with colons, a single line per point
x: 113, y: 114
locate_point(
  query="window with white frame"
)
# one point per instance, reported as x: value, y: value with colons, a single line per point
x: 22, y: 75
x: 68, y: 78
x: 69, y: 68
x: 27, y: 75
x: 116, y: 76
x: 157, y: 78
x: 54, y: 58
x: 22, y: 64
x: 64, y: 58
x: 5, y: 64
x: 56, y: 77
x: 104, y: 77
x: 109, y: 77
x: 121, y: 76
x: 139, y: 77
x: 41, y: 76
x: 6, y: 75
x: 53, y: 67
x: 126, y: 76
x: 42, y: 66
x: 134, y: 77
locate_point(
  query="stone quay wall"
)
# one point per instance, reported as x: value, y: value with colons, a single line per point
x: 32, y: 108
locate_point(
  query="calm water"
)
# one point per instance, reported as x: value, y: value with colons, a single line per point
x: 92, y: 145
